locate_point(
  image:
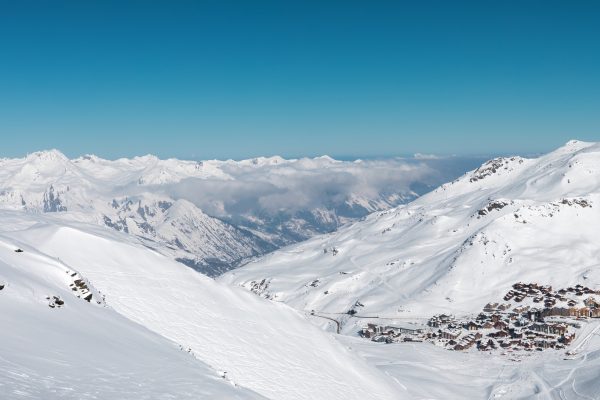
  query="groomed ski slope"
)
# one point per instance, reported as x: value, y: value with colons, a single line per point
x: 85, y: 350
x: 266, y: 347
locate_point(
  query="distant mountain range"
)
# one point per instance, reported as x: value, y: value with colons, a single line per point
x: 89, y: 291
x: 216, y: 215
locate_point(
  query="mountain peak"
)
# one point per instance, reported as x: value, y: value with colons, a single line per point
x: 574, y: 145
x: 47, y: 155
x: 146, y: 158
x: 325, y: 157
x: 90, y: 157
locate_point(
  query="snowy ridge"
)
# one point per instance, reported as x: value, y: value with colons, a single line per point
x: 56, y: 345
x: 265, y: 347
x: 454, y: 249
x: 234, y: 210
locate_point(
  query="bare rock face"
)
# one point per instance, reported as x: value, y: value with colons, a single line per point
x: 52, y: 201
x: 55, y: 302
x: 494, y: 166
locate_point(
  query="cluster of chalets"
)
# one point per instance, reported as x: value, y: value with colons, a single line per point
x: 532, y: 317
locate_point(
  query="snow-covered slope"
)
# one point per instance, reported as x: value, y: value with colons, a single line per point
x: 213, y: 215
x: 431, y: 372
x: 266, y: 347
x: 454, y: 249
x: 118, y: 194
x: 55, y: 344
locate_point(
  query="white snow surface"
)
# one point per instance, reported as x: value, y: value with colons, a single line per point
x: 431, y: 372
x: 265, y: 347
x: 85, y: 350
x: 454, y: 249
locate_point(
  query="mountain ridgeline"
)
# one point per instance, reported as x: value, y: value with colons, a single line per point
x: 454, y: 249
x: 216, y: 215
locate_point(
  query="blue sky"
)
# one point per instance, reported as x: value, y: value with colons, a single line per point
x: 224, y: 79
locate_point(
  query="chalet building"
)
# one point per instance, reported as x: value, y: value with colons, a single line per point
x: 445, y: 334
x: 484, y: 345
x: 445, y: 319
x: 395, y: 330
x: 382, y: 339
x: 520, y: 309
x: 516, y: 334
x: 549, y: 303
x: 579, y: 312
x: 568, y: 339
x: 544, y: 344
x: 595, y: 312
x: 498, y: 334
x: 520, y: 297
x: 539, y: 328
x: 558, y: 329
x: 471, y: 326
x: 468, y: 341
x: 509, y: 295
x: 461, y: 347
x: 534, y: 314
x: 555, y: 329
x: 521, y: 321
x: 556, y: 311
x: 500, y: 325
x: 591, y: 302
x: 546, y: 289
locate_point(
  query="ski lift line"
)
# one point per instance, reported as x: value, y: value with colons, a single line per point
x: 365, y: 316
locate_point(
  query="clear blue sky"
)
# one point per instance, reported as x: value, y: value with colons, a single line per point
x: 223, y: 79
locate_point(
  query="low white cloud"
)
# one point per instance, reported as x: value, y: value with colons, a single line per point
x: 307, y: 184
x: 421, y: 156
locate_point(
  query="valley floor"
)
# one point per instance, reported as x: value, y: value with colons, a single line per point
x: 426, y: 371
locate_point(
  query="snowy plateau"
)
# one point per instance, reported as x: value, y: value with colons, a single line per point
x: 95, y: 304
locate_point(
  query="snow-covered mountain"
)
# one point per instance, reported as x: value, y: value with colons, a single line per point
x: 214, y: 215
x: 452, y: 250
x: 92, y: 313
x: 60, y: 339
x: 456, y: 251
x: 107, y: 313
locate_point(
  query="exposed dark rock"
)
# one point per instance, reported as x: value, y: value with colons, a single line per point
x: 52, y: 201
